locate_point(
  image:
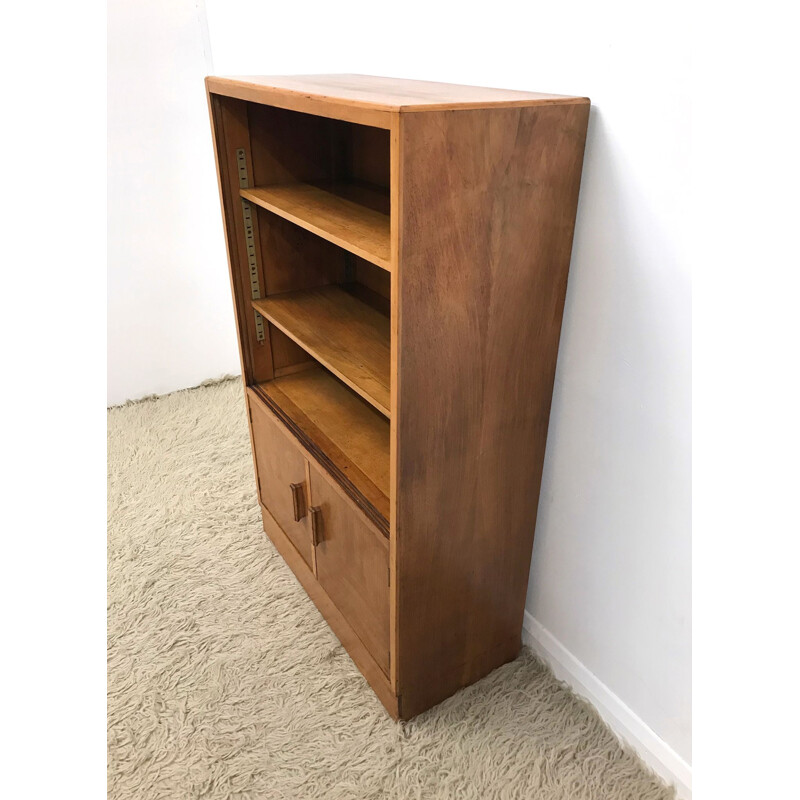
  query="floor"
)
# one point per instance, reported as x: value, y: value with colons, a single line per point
x: 225, y: 682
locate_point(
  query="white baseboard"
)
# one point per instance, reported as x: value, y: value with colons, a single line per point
x: 655, y: 752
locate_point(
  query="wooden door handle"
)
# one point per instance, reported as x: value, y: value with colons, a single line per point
x: 299, y: 500
x: 316, y: 524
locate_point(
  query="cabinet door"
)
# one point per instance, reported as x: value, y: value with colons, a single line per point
x: 281, y: 471
x: 352, y: 566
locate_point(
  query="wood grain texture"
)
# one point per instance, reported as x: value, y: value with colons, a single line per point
x: 287, y: 147
x: 376, y: 280
x: 348, y: 215
x: 442, y: 684
x: 353, y: 568
x: 373, y: 93
x: 394, y: 294
x: 231, y: 131
x: 366, y: 664
x: 488, y: 202
x: 349, y: 438
x: 366, y: 157
x: 292, y: 259
x: 343, y: 333
x: 331, y: 108
x: 291, y: 147
x: 279, y: 465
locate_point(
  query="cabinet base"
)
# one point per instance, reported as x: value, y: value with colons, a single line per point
x: 436, y: 688
x: 416, y: 699
x: 338, y: 624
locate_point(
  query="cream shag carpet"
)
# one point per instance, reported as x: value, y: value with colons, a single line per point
x: 225, y: 682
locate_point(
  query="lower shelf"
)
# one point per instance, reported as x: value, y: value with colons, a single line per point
x: 340, y: 331
x: 345, y: 434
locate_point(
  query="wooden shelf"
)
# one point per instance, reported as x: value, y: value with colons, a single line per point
x: 345, y: 434
x: 340, y: 331
x: 353, y: 216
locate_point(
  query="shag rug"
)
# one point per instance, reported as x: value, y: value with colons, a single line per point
x: 225, y: 682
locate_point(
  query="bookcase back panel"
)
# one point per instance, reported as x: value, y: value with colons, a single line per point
x: 366, y: 155
x: 288, y: 147
x: 293, y: 258
x: 370, y: 284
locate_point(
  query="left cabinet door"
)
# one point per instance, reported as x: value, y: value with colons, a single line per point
x: 281, y: 474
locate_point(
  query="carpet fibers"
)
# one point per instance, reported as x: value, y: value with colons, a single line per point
x: 225, y: 682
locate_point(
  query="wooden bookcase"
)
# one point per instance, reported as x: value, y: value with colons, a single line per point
x: 398, y: 255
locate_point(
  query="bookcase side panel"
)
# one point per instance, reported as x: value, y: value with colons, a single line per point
x: 231, y: 134
x: 487, y: 203
x: 395, y: 209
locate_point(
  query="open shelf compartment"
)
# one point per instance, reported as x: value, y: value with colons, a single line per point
x: 342, y: 332
x: 347, y: 436
x: 328, y: 176
x: 315, y: 278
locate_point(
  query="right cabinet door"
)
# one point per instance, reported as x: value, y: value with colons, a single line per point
x: 352, y: 566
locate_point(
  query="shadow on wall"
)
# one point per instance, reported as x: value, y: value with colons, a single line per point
x: 611, y: 576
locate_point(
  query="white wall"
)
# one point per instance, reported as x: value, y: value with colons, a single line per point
x: 170, y: 317
x: 611, y: 575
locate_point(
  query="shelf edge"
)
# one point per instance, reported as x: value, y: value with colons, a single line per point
x: 250, y: 195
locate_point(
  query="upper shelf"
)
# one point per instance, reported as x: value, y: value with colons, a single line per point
x: 352, y: 216
x: 343, y: 333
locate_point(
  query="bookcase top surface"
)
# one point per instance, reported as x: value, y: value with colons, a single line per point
x: 384, y: 94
